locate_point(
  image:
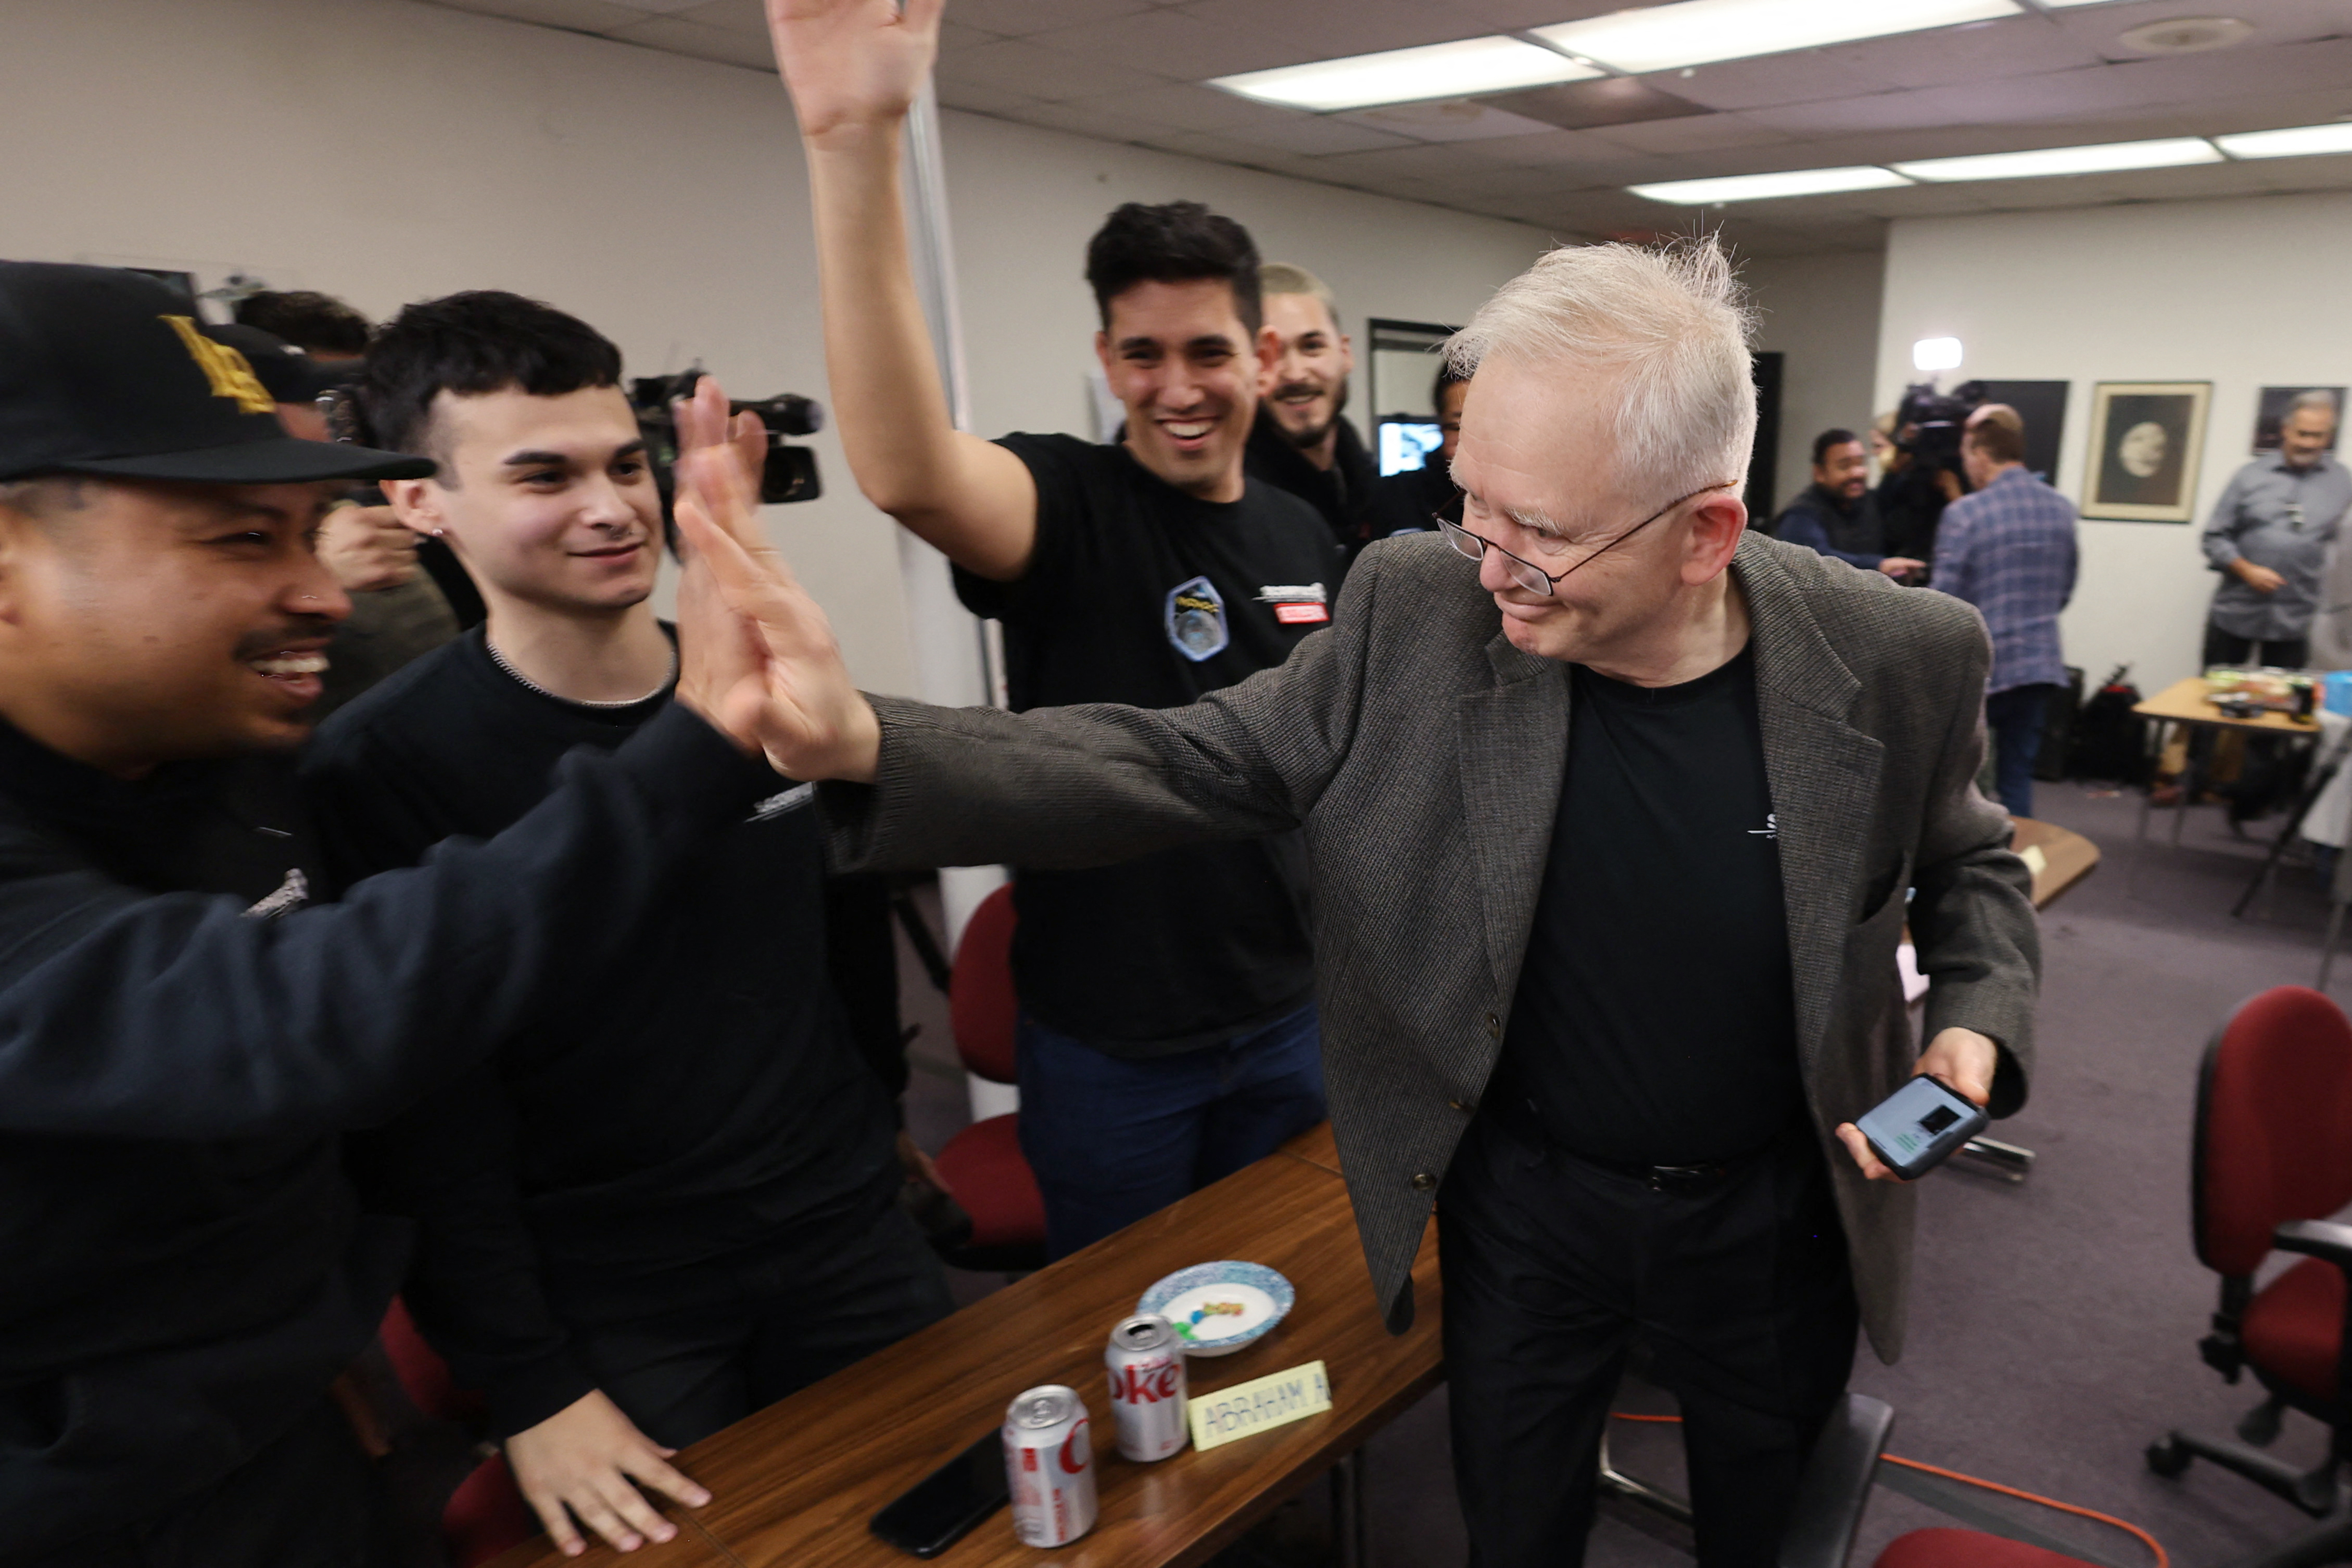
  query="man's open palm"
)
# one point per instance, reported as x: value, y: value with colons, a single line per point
x: 852, y: 63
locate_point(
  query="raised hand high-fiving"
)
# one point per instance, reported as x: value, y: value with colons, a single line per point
x: 851, y: 64
x: 793, y: 696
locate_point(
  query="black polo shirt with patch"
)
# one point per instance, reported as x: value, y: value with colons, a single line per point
x: 1143, y: 594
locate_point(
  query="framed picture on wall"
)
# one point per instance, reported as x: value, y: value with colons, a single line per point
x: 2145, y: 438
x: 2271, y: 411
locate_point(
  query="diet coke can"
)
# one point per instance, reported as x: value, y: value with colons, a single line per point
x: 1051, y: 1466
x: 1146, y: 1387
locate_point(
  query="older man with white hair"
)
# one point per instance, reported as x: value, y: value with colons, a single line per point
x: 1610, y: 836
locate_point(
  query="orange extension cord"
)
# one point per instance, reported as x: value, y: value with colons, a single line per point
x: 2142, y: 1536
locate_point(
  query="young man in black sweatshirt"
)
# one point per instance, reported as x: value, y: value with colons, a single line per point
x: 626, y: 1242
x: 181, y: 1035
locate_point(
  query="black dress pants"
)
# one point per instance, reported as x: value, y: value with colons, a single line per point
x: 312, y: 1500
x: 1555, y: 1267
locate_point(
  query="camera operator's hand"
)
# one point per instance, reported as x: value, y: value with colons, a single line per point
x: 366, y: 548
x: 1901, y: 567
x: 851, y: 64
x: 775, y: 677
x: 2261, y: 579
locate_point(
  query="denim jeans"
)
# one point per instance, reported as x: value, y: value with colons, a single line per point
x: 1111, y: 1141
x: 2014, y: 717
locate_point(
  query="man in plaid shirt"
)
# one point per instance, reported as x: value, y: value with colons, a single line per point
x: 2008, y: 548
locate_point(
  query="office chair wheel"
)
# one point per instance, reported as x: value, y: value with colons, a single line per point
x: 2261, y: 1426
x: 2167, y: 1456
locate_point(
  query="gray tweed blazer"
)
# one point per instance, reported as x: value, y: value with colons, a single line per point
x: 1423, y: 753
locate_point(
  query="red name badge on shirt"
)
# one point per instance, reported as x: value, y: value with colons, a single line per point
x: 1297, y: 604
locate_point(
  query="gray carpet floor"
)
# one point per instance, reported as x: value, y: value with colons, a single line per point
x: 2055, y: 1322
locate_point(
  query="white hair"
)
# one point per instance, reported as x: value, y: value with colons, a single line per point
x: 2318, y: 397
x: 1672, y: 319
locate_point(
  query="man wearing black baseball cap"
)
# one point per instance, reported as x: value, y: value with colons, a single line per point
x: 181, y: 1036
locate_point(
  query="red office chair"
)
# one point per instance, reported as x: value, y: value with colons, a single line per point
x: 486, y: 1514
x: 982, y: 1165
x: 2272, y: 1156
x: 1968, y: 1549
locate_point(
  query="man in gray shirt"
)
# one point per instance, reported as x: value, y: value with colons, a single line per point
x: 2270, y: 536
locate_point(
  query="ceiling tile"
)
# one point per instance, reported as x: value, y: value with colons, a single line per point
x: 1019, y: 65
x: 1586, y: 105
x: 1318, y: 135
x: 1452, y: 120
x: 1514, y: 14
x: 1408, y: 162
x: 1083, y: 120
x: 580, y: 15
x: 735, y: 15
x: 1798, y: 77
x: 1984, y: 51
x: 1322, y: 30
x: 1172, y: 43
x: 1547, y: 150
x: 1185, y: 106
x: 1018, y: 18
x: 679, y: 36
x: 1692, y: 133
x: 979, y: 99
x: 956, y: 36
x: 1902, y: 111
x: 2096, y: 27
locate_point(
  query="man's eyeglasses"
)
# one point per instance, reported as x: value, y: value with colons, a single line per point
x: 1534, y: 578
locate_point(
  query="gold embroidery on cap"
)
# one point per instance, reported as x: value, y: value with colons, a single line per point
x: 224, y: 367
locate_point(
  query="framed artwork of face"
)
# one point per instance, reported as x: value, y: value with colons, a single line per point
x: 2145, y: 439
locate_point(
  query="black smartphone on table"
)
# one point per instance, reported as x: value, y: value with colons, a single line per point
x: 1920, y: 1125
x: 935, y: 1512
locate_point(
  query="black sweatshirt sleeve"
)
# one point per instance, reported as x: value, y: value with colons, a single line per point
x: 449, y: 1163
x: 124, y: 1014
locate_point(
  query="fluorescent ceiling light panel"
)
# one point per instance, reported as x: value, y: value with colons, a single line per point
x: 1460, y: 69
x: 1696, y: 32
x: 2296, y: 143
x: 2107, y: 158
x: 1762, y: 188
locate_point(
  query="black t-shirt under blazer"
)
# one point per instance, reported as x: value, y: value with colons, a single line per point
x: 1655, y: 1020
x: 1138, y: 593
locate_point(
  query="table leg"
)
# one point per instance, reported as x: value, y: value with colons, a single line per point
x: 2146, y: 806
x: 1351, y: 1531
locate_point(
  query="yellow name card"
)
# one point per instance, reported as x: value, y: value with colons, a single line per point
x: 1254, y: 1406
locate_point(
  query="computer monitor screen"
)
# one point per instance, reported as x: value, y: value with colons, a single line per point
x: 1406, y: 444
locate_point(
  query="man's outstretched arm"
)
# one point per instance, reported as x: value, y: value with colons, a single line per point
x: 854, y: 68
x: 1054, y: 787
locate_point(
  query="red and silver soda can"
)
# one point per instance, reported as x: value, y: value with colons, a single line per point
x: 1051, y: 1465
x: 1146, y: 1387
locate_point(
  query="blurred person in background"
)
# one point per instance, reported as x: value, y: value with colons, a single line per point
x: 1419, y: 500
x: 319, y: 324
x: 1300, y: 442
x: 2269, y: 537
x: 2008, y: 547
x: 1836, y: 515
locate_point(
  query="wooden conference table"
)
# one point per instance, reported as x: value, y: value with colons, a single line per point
x: 2185, y: 702
x: 796, y: 1483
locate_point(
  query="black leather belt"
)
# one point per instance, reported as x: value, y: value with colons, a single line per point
x: 1676, y: 1181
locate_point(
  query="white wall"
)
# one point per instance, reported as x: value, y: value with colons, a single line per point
x: 388, y: 152
x: 2234, y: 292
x: 1822, y: 312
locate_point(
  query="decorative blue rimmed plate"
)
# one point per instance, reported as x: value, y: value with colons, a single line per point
x: 1218, y: 1308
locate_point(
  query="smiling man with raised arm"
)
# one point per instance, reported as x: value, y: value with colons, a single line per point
x: 183, y: 1034
x: 1611, y: 833
x: 1168, y: 1033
